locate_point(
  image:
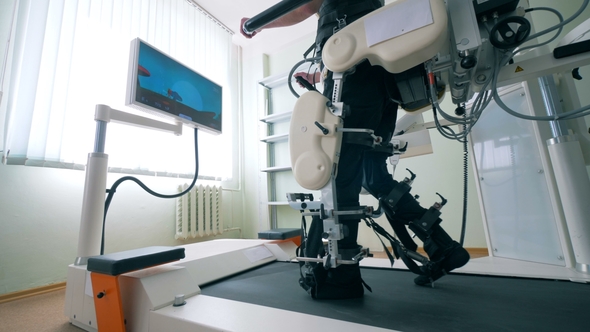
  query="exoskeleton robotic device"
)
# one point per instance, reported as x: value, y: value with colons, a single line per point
x: 430, y: 46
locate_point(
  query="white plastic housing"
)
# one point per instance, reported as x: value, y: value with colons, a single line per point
x: 574, y: 188
x: 93, y: 205
x: 313, y: 153
x: 350, y: 45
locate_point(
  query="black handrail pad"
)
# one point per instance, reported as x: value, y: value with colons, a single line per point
x: 279, y: 233
x: 131, y: 260
x: 571, y: 49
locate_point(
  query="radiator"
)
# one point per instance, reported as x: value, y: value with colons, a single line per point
x: 198, y: 212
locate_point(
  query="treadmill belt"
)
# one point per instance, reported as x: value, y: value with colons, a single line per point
x: 457, y: 303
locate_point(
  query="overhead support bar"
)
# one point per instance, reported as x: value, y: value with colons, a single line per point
x: 271, y: 14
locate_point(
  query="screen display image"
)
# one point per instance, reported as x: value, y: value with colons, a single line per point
x: 164, y: 85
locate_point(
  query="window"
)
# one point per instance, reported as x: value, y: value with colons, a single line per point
x: 67, y: 56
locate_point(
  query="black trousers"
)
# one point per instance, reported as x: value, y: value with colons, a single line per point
x: 368, y: 92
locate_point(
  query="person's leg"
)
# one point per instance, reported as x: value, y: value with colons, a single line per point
x: 379, y: 182
x: 367, y: 98
x: 361, y: 94
x: 442, y: 250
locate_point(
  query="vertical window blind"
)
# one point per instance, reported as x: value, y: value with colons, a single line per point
x: 69, y: 55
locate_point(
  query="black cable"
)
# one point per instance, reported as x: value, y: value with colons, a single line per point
x: 113, y: 189
x: 293, y: 72
x: 561, y: 24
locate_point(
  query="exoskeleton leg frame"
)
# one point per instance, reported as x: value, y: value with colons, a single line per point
x: 315, y: 139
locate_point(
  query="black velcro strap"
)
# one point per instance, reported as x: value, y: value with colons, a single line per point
x: 428, y: 220
x: 399, y: 228
x: 386, y: 148
x: 358, y: 138
x: 402, y: 233
x: 396, y: 194
x: 313, y: 243
x: 371, y: 224
x: 367, y: 286
x: 411, y: 264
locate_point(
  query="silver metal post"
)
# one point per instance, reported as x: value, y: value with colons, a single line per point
x: 100, y: 136
x: 571, y: 177
x: 552, y: 104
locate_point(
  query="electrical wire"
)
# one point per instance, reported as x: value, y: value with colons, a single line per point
x: 483, y: 99
x: 561, y: 24
x: 559, y: 30
x: 505, y: 59
x: 489, y: 87
x: 113, y: 189
x: 297, y: 65
x: 468, y: 120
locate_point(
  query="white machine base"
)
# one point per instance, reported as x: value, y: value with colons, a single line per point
x: 506, y: 267
x: 206, y: 313
x: 148, y: 294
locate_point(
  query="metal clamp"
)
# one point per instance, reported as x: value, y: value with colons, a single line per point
x: 341, y: 24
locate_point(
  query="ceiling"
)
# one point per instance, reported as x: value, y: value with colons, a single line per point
x: 230, y: 12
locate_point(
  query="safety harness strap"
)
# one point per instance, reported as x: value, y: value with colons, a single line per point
x: 334, y: 15
x: 402, y: 233
x: 389, y: 203
x: 311, y: 245
x: 398, y: 249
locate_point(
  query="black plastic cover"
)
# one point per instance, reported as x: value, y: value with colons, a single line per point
x: 279, y: 233
x: 131, y: 260
x: 486, y: 7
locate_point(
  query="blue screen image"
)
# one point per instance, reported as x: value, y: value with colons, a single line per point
x: 167, y: 85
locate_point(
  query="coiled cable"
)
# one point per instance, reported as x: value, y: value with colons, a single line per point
x: 113, y: 189
x: 295, y: 67
x: 465, y: 185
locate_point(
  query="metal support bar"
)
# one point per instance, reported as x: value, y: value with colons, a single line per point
x: 93, y: 203
x: 571, y: 177
x: 271, y: 14
x: 552, y: 104
x: 100, y: 136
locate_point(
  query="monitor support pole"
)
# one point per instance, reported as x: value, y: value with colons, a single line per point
x: 93, y: 203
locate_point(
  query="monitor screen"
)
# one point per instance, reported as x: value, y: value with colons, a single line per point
x: 157, y: 83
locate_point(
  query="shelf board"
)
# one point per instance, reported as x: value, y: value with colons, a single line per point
x: 285, y: 203
x: 275, y: 138
x: 278, y: 117
x: 273, y: 81
x: 276, y: 169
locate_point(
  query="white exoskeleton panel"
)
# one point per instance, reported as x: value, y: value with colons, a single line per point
x: 314, y: 152
x: 406, y: 44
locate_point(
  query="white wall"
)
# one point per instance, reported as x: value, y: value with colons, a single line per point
x: 40, y: 215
